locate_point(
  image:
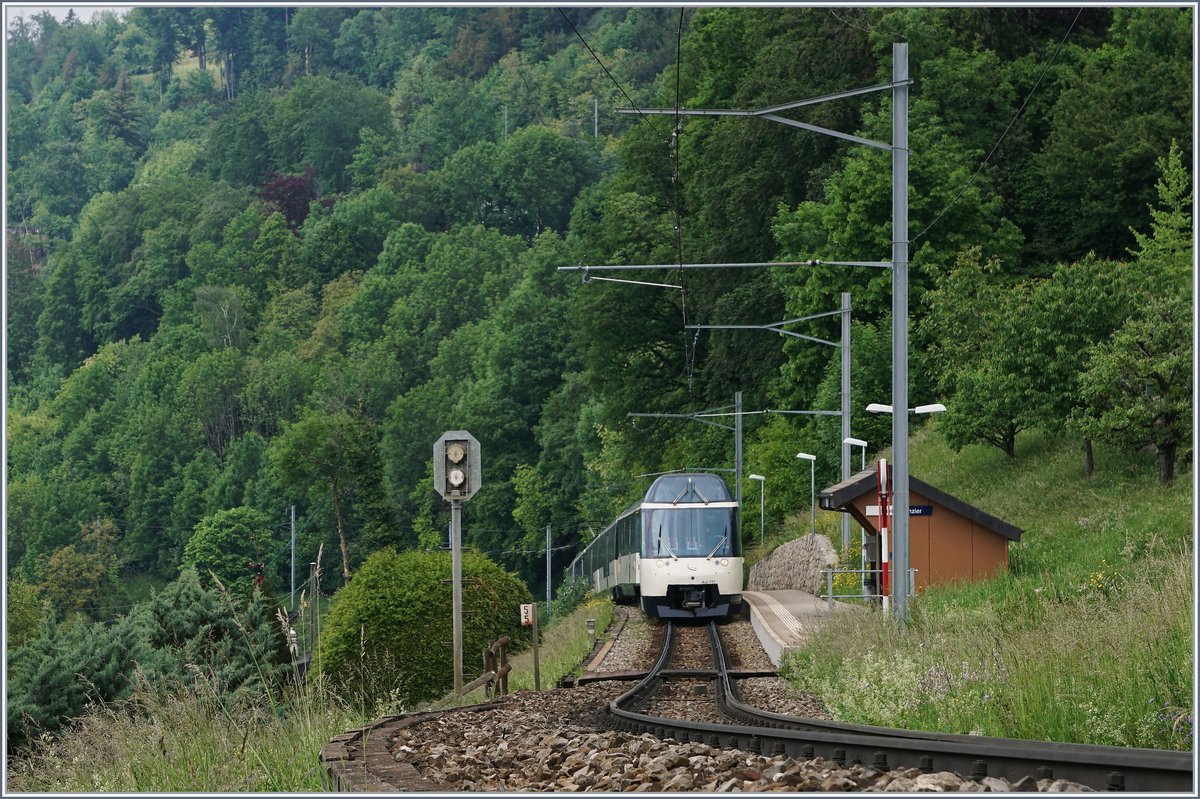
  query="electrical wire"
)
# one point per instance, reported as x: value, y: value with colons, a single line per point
x: 676, y: 192
x: 1012, y: 122
x: 637, y: 12
x: 850, y: 24
x: 620, y: 88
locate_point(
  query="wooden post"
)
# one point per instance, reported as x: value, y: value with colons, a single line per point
x: 537, y: 674
x: 504, y: 666
x: 489, y: 665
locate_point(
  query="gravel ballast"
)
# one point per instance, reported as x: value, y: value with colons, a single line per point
x: 555, y: 740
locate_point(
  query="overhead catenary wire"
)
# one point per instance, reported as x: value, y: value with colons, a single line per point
x: 673, y: 142
x: 971, y: 181
x: 616, y: 83
x: 689, y: 352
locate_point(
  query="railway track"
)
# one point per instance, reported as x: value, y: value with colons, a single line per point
x: 735, y: 724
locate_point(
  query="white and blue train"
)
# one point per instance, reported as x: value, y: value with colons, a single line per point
x: 677, y: 551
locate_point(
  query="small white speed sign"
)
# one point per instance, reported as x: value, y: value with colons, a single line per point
x: 526, y: 615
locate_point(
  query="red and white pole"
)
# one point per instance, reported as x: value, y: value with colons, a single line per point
x: 885, y: 524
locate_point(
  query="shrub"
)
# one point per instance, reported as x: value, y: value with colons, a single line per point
x: 184, y: 632
x: 571, y: 594
x: 391, y: 627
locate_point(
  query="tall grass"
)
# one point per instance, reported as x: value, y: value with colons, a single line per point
x: 190, y: 739
x: 197, y: 738
x: 1088, y: 637
x: 195, y: 735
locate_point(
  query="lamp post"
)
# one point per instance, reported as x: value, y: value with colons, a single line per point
x: 812, y: 507
x: 858, y: 442
x: 762, y: 505
x: 900, y: 484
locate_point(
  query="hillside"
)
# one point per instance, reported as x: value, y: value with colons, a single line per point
x: 259, y: 259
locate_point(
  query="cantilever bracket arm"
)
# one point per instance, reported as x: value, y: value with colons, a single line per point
x: 778, y: 327
x: 752, y: 265
x: 691, y: 416
x: 768, y: 112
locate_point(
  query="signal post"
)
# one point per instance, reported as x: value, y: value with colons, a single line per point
x: 456, y: 476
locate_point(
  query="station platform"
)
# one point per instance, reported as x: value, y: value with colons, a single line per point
x: 783, y: 619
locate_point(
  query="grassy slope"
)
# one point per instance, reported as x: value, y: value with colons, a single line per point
x: 194, y: 740
x: 1088, y: 638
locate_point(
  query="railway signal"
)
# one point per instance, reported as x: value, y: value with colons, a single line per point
x: 456, y: 476
x: 456, y: 468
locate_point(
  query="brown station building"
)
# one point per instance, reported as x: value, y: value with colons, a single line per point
x: 949, y: 540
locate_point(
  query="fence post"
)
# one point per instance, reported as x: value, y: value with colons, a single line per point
x: 829, y: 587
x: 503, y: 669
x: 537, y: 672
x: 489, y: 664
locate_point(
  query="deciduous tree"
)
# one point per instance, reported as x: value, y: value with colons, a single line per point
x: 1137, y: 389
x: 331, y: 450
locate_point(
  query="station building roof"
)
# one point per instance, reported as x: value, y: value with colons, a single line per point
x: 837, y: 497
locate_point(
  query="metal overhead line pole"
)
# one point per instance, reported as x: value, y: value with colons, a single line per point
x: 737, y: 456
x: 900, y: 325
x: 845, y: 351
x: 292, y: 606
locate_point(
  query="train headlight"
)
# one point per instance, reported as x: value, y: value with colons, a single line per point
x: 723, y: 562
x: 662, y: 564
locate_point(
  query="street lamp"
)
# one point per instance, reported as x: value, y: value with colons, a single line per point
x: 858, y: 442
x: 762, y: 505
x: 812, y: 507
x: 935, y: 407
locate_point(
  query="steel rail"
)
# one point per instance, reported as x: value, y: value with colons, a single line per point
x: 1099, y: 767
x: 637, y: 695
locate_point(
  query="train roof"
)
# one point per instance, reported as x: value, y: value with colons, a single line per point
x: 696, y: 487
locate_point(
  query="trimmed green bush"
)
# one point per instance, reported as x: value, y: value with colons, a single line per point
x: 390, y: 630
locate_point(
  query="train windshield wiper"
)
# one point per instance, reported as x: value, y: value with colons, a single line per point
x: 663, y: 544
x: 720, y: 544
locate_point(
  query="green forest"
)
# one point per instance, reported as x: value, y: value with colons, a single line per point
x: 259, y: 258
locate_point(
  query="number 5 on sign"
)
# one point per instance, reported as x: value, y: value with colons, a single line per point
x: 529, y: 617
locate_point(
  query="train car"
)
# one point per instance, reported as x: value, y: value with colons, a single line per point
x: 677, y: 552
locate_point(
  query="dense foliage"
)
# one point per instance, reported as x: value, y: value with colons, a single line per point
x: 262, y: 257
x: 390, y: 626
x: 185, y: 632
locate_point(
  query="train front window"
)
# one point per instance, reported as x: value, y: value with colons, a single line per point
x: 689, y: 533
